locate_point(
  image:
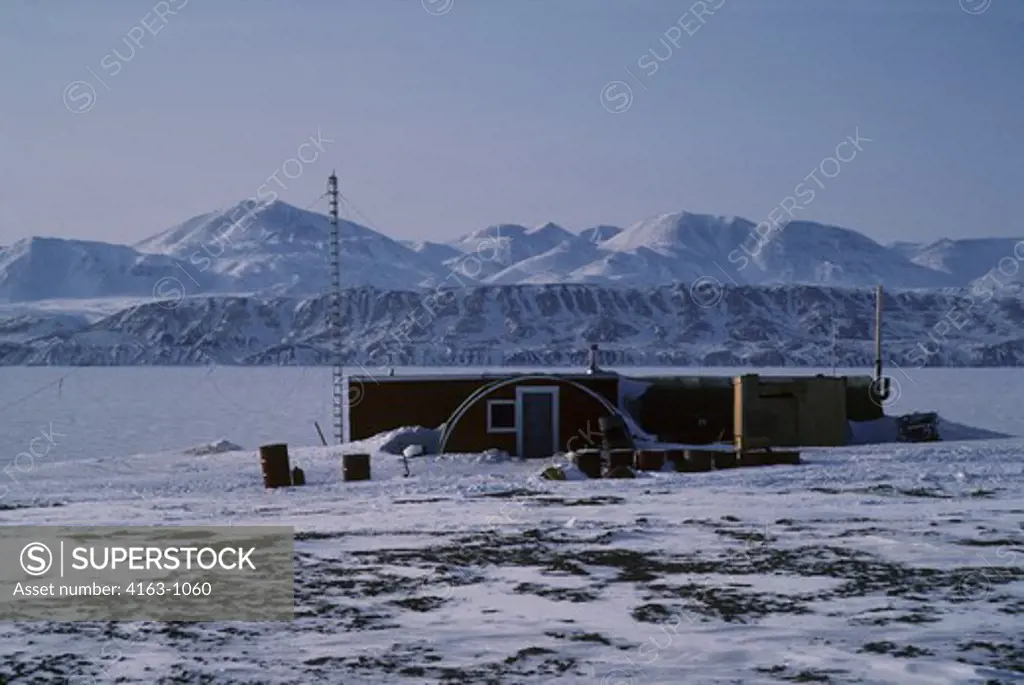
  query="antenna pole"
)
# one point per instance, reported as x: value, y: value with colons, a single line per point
x: 882, y: 386
x: 336, y: 309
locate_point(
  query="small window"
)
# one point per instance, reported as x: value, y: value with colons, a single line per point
x: 501, y: 416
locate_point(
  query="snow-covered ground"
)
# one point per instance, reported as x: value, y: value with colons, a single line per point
x: 871, y: 564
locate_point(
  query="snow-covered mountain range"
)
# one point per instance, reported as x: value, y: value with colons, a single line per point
x: 278, y: 249
x: 540, y: 324
x: 246, y: 286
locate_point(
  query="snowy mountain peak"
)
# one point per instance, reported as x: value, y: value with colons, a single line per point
x: 243, y: 227
x: 669, y: 234
x: 552, y: 232
x: 599, y: 234
x: 471, y: 242
x: 277, y: 247
x: 84, y: 269
x: 968, y: 259
x: 274, y: 247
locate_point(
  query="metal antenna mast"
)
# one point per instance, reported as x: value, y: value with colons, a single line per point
x: 334, y: 300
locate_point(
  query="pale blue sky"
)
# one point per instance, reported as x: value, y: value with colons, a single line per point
x: 492, y: 112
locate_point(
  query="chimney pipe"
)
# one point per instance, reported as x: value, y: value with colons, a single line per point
x: 881, y: 386
x: 592, y: 363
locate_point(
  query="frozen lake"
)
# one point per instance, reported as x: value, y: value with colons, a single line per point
x: 128, y: 410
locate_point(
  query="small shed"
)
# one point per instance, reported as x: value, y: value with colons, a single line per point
x: 791, y: 412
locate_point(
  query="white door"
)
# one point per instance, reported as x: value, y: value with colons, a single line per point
x: 537, y: 421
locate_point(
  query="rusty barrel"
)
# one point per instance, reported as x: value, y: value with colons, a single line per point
x: 620, y: 457
x: 298, y: 476
x: 589, y: 462
x: 356, y: 466
x: 274, y: 464
x: 697, y: 460
x: 650, y: 460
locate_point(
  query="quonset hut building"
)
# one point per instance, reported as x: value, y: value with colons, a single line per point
x: 540, y: 414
